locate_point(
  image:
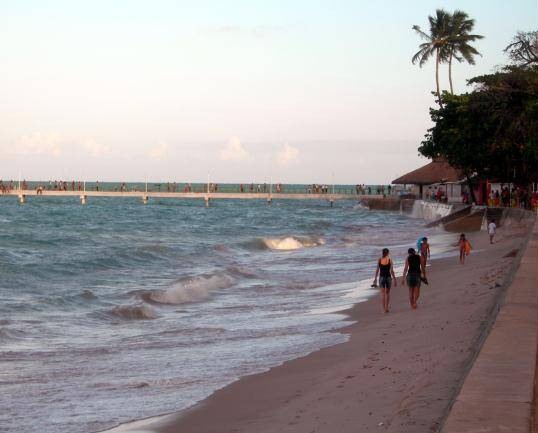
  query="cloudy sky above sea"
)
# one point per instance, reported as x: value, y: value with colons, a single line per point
x: 293, y: 91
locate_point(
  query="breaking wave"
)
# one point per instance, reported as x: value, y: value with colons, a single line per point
x: 134, y: 312
x: 193, y: 290
x: 289, y: 243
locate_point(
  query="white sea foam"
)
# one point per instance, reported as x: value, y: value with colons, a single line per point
x: 292, y: 243
x: 193, y: 290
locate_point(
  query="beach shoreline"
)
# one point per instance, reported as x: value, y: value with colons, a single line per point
x: 398, y: 372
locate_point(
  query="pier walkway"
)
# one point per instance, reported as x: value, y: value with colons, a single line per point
x: 145, y: 196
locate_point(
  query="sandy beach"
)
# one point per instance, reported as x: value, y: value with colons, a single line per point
x: 398, y: 373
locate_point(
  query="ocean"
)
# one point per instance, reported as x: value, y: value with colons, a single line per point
x: 118, y: 311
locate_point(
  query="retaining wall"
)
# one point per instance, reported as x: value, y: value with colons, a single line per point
x: 497, y: 395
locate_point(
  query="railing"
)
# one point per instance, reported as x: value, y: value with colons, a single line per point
x: 275, y: 189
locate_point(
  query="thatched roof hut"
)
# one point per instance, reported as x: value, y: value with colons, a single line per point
x: 437, y: 171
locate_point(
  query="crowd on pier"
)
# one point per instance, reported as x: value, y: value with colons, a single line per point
x: 7, y: 187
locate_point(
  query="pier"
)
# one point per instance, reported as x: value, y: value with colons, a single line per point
x: 145, y: 197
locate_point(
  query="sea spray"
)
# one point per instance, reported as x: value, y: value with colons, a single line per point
x: 286, y: 243
x: 192, y: 290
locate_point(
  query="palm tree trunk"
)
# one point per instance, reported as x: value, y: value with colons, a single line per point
x: 437, y: 61
x: 450, y: 72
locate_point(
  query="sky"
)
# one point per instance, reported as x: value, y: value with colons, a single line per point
x: 240, y: 91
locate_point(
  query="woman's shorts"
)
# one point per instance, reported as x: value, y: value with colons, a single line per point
x: 385, y: 282
x: 413, y: 280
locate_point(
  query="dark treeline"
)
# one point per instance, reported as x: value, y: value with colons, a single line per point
x: 491, y: 132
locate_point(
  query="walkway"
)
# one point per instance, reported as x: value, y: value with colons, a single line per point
x: 498, y: 393
x: 191, y: 195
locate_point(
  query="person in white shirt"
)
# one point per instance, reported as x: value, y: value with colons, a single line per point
x: 492, y: 227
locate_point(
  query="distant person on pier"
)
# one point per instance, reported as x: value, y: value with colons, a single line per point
x: 413, y: 271
x: 386, y: 275
x: 241, y: 188
x: 97, y: 185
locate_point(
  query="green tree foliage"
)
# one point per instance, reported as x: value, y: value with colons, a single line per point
x: 459, y: 41
x: 492, y: 131
x: 449, y: 38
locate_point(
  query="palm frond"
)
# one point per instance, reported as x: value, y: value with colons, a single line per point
x: 421, y: 33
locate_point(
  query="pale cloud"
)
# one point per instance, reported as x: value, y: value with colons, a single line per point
x: 94, y: 148
x: 53, y: 144
x: 287, y: 155
x: 38, y: 144
x: 159, y: 152
x: 234, y: 151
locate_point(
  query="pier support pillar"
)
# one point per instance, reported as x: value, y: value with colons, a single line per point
x: 83, y: 199
x: 145, y: 199
x: 22, y: 198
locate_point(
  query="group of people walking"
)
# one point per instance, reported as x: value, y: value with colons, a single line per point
x: 414, y: 273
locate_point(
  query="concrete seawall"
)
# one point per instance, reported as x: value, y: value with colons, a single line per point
x: 497, y: 396
x: 514, y: 216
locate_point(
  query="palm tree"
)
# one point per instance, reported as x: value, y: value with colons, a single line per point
x: 459, y: 40
x: 437, y: 43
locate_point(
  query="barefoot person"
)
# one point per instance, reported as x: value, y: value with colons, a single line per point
x: 465, y: 248
x: 492, y: 228
x: 386, y: 274
x: 413, y: 271
x: 424, y: 255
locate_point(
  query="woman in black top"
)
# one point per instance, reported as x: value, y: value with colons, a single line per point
x: 386, y: 273
x: 413, y: 271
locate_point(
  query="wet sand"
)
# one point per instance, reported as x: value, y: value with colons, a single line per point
x: 398, y: 373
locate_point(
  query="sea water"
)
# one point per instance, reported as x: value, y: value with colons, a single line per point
x: 117, y: 311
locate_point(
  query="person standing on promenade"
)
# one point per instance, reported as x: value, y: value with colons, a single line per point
x: 465, y: 248
x: 385, y: 272
x: 413, y: 270
x: 492, y: 228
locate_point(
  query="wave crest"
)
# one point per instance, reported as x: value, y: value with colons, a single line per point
x: 289, y: 243
x: 134, y: 312
x: 193, y: 290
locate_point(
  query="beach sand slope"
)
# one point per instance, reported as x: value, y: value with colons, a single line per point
x: 398, y: 373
